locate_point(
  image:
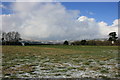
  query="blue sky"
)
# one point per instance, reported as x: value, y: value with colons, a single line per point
x: 101, y: 11
x: 7, y: 9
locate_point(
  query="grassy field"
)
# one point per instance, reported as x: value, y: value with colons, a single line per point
x: 60, y: 61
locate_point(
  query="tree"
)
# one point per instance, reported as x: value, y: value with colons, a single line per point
x: 3, y: 36
x: 83, y: 42
x: 10, y: 37
x: 66, y: 43
x: 17, y: 37
x: 112, y: 37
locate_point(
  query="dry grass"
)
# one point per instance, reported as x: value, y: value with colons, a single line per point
x: 50, y: 59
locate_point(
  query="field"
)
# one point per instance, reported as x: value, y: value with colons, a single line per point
x: 60, y: 61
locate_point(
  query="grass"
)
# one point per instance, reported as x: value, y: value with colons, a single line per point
x: 55, y: 58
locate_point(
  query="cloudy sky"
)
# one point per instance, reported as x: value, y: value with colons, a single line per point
x: 60, y: 20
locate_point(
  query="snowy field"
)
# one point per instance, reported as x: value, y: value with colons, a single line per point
x: 60, y: 61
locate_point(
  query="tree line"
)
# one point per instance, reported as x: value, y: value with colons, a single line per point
x: 10, y: 38
x: 112, y: 40
x: 92, y: 42
x: 14, y: 38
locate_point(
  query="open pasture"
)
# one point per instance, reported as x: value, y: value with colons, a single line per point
x: 60, y: 61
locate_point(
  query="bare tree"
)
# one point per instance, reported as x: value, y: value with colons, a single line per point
x: 11, y: 36
x: 17, y: 37
x: 3, y: 36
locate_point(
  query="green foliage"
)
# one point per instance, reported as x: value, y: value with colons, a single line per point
x: 93, y: 42
x: 75, y: 43
x: 112, y: 36
x: 83, y: 42
x: 66, y: 43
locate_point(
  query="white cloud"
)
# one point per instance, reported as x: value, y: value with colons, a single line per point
x: 2, y: 6
x: 90, y: 13
x: 105, y: 29
x: 115, y: 23
x: 52, y: 21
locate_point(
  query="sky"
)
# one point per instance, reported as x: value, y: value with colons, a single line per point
x: 89, y: 9
x: 61, y: 20
x: 101, y: 11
